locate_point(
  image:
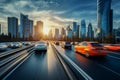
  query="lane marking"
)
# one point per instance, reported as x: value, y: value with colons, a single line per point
x: 83, y: 73
x: 109, y: 69
x: 114, y: 53
x: 63, y: 63
x: 18, y: 65
x: 113, y: 57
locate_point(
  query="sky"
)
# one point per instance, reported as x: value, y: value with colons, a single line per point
x: 55, y: 12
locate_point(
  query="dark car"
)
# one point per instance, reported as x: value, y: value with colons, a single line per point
x: 56, y: 43
x: 67, y: 45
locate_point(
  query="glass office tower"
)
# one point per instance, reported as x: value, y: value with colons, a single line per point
x: 104, y: 17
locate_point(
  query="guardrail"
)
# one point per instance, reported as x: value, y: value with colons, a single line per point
x: 72, y: 65
x: 7, y: 53
x: 67, y: 70
x: 9, y: 62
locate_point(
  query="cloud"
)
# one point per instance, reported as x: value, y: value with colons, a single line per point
x: 57, y: 12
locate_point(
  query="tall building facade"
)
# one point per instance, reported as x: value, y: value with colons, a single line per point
x: 75, y: 29
x: 0, y: 29
x: 104, y: 17
x: 63, y: 34
x: 111, y: 22
x: 69, y: 32
x: 83, y: 29
x: 74, y: 26
x: 31, y: 27
x: 56, y: 34
x: 40, y: 27
x: 26, y: 26
x: 38, y: 30
x: 13, y: 27
x: 78, y: 32
x: 90, y: 32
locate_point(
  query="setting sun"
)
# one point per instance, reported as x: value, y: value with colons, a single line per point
x: 45, y: 30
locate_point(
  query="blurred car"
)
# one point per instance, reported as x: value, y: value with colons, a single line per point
x: 67, y: 45
x: 56, y: 43
x: 15, y: 45
x: 3, y: 46
x: 113, y: 47
x: 10, y: 45
x: 91, y: 49
x: 41, y: 46
x: 26, y: 43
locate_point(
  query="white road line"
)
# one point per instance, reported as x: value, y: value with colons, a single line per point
x: 110, y: 69
x: 17, y: 66
x: 114, y: 53
x: 113, y: 57
x: 83, y: 73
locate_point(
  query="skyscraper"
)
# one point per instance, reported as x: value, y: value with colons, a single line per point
x: 104, y: 17
x: 56, y: 34
x: 0, y: 29
x: 31, y: 27
x: 111, y: 22
x: 90, y: 33
x: 78, y: 33
x: 69, y: 32
x: 63, y: 34
x: 24, y: 26
x: 74, y: 26
x: 40, y: 27
x: 13, y: 27
x: 38, y: 30
x: 83, y: 29
x: 75, y: 29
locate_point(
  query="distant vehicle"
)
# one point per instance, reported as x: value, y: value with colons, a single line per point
x: 47, y: 43
x: 90, y: 49
x: 3, y: 46
x: 41, y: 46
x: 67, y: 45
x: 113, y: 47
x: 15, y: 45
x: 56, y: 43
x: 26, y: 43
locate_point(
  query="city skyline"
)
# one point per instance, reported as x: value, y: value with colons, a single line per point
x: 53, y: 12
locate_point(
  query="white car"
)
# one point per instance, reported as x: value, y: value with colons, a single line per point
x: 3, y: 46
x: 15, y: 45
x: 41, y: 46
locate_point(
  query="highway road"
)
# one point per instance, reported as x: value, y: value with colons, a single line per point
x: 99, y: 68
x: 64, y: 64
x: 39, y: 66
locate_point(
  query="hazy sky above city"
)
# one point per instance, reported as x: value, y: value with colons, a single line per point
x: 55, y: 12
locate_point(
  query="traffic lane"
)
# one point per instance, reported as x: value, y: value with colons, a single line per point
x: 114, y: 53
x: 40, y: 66
x: 7, y: 49
x: 95, y: 70
x: 111, y: 61
x: 10, y: 49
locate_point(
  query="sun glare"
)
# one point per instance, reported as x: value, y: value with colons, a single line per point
x: 46, y: 30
